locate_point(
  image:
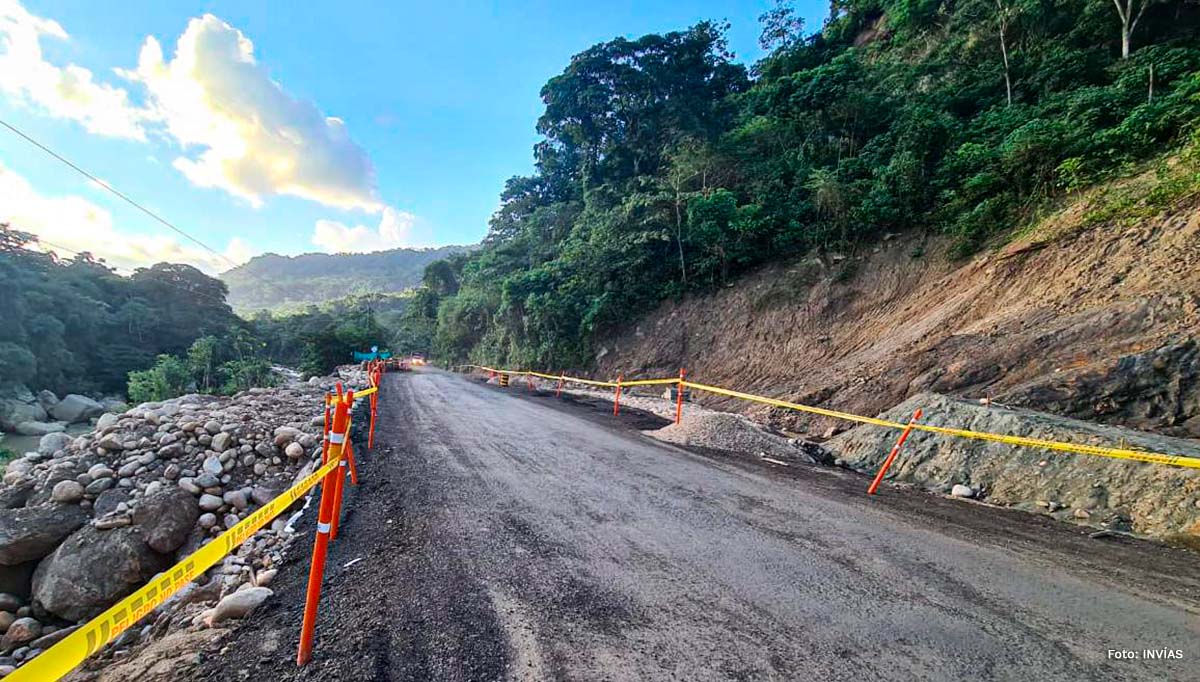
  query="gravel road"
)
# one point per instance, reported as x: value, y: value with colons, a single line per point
x: 504, y: 535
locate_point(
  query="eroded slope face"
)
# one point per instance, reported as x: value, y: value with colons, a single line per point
x: 1099, y: 324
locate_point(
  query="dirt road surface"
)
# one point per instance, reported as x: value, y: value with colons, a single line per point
x: 499, y: 535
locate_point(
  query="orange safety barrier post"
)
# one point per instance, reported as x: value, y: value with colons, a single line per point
x: 617, y: 396
x: 353, y: 470
x: 679, y: 396
x: 343, y: 469
x: 561, y: 378
x: 316, y: 571
x: 895, y: 451
x: 529, y: 381
x: 374, y: 411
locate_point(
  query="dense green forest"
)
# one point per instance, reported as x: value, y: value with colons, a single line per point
x: 665, y: 166
x: 283, y: 284
x: 76, y: 326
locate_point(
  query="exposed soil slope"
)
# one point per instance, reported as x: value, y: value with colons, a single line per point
x: 1095, y: 323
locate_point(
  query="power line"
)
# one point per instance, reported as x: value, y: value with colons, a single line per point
x: 114, y: 190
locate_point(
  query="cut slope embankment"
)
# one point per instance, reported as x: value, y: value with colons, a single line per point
x: 1097, y: 323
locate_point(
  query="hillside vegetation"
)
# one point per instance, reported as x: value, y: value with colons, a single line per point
x: 77, y: 326
x: 290, y: 283
x: 665, y: 167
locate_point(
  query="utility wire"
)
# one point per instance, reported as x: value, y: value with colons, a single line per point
x: 114, y: 190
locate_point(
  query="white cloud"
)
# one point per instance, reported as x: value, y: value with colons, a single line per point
x: 72, y: 223
x: 394, y: 231
x: 242, y: 132
x: 68, y: 91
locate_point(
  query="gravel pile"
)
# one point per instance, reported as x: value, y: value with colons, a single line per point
x: 735, y: 433
x: 705, y: 428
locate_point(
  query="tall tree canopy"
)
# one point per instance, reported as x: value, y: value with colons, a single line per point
x: 666, y: 167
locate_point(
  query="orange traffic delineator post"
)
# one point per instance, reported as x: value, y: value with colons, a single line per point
x: 561, y: 378
x: 353, y: 466
x: 617, y: 396
x: 343, y: 470
x: 316, y: 571
x: 376, y: 377
x: 895, y: 451
x: 679, y: 396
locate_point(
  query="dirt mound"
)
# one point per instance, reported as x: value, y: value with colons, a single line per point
x: 1096, y: 323
x: 735, y: 433
x: 1147, y: 498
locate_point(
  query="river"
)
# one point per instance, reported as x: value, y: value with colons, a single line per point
x: 19, y: 444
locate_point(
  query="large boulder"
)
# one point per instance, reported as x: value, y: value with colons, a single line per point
x: 167, y: 517
x: 16, y: 495
x: 53, y: 442
x: 33, y: 532
x: 47, y: 400
x: 114, y: 405
x: 240, y: 603
x: 93, y: 569
x: 39, y: 428
x: 14, y: 411
x: 76, y: 408
x: 106, y: 420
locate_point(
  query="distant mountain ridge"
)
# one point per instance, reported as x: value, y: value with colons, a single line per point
x: 282, y: 283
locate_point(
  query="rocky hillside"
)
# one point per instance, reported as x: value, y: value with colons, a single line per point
x: 273, y: 282
x: 86, y: 520
x: 1113, y: 494
x: 1092, y: 321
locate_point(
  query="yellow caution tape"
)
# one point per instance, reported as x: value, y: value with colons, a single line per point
x: 649, y: 382
x: 62, y: 658
x: 795, y: 406
x: 1096, y: 450
x: 578, y: 380
x: 331, y: 398
x: 1099, y: 451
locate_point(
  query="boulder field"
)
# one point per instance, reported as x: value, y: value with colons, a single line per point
x: 86, y: 520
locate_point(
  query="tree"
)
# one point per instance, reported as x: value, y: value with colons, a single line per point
x: 1130, y: 12
x: 202, y: 358
x: 781, y: 28
x: 1005, y: 11
x: 619, y: 105
x: 168, y: 378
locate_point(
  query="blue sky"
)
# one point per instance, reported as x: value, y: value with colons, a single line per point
x: 220, y: 124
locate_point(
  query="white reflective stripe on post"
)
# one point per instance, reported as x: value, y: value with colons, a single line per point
x: 337, y: 438
x: 343, y: 463
x: 323, y: 527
